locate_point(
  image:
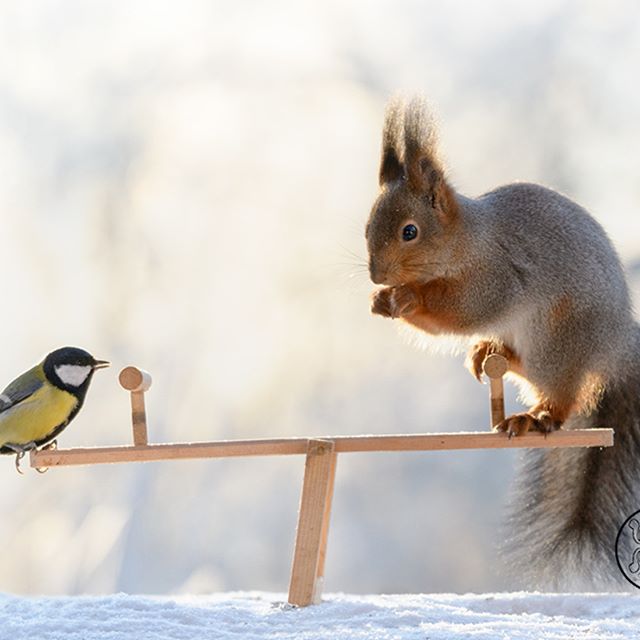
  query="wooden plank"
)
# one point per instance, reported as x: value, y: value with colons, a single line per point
x: 343, y: 444
x: 475, y: 440
x: 326, y: 520
x: 182, y: 451
x: 318, y: 474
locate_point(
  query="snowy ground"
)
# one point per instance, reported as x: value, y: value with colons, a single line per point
x: 247, y: 616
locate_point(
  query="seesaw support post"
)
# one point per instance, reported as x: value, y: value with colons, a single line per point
x: 307, y: 571
x: 325, y: 528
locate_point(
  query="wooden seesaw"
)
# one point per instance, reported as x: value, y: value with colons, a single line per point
x: 307, y: 573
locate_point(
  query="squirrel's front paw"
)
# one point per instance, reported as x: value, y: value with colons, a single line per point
x: 381, y: 304
x: 404, y: 301
x: 395, y: 302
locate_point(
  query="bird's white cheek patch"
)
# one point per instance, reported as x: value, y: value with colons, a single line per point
x: 72, y: 374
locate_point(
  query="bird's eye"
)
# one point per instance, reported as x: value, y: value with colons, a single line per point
x: 409, y: 232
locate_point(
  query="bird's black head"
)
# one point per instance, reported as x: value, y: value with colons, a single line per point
x: 71, y: 369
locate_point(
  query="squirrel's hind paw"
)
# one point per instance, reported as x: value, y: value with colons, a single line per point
x: 520, y: 423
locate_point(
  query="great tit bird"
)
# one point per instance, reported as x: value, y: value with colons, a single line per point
x: 38, y: 405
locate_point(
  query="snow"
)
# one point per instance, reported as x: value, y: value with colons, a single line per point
x: 257, y: 615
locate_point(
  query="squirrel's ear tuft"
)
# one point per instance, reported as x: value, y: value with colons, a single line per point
x: 424, y: 171
x: 391, y: 168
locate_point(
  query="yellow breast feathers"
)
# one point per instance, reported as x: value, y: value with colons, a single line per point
x: 35, y: 417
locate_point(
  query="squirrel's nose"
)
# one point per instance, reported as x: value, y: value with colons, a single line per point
x: 377, y: 275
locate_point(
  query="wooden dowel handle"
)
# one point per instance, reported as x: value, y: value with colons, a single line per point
x: 495, y: 366
x: 139, y: 418
x: 137, y: 382
x: 134, y: 379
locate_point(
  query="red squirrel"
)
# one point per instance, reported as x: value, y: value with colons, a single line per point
x: 525, y: 272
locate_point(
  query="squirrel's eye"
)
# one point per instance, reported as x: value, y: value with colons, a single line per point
x: 410, y: 232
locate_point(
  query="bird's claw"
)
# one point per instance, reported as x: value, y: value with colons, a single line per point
x: 20, y: 451
x: 19, y: 457
x: 52, y: 446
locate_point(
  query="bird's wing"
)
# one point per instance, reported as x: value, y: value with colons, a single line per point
x: 20, y: 389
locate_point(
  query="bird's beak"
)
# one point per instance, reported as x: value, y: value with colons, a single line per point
x: 101, y: 364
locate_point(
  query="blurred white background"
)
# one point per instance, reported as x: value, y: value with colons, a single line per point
x: 184, y: 188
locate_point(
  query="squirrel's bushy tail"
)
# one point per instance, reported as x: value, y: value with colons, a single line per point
x: 569, y: 504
